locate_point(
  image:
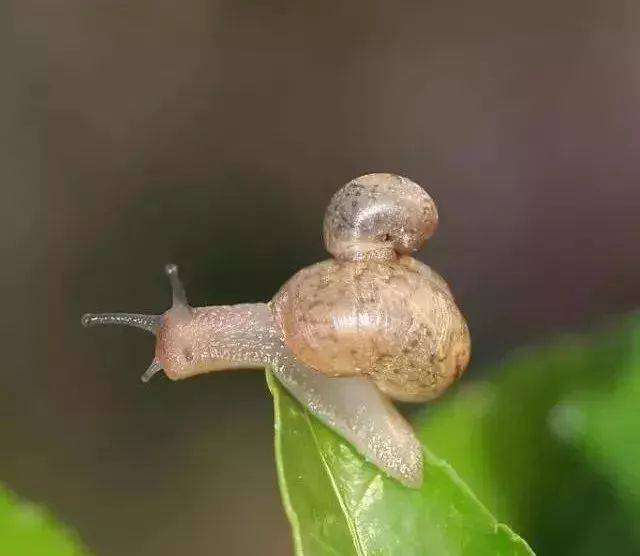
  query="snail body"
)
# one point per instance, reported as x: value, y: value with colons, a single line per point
x: 342, y: 335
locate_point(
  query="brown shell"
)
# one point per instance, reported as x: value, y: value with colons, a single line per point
x: 377, y: 216
x: 395, y: 321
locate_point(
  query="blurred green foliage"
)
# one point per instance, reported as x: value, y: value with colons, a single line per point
x: 551, y: 442
x: 27, y: 530
x: 338, y: 504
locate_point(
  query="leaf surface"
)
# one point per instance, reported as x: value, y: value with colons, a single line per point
x: 27, y: 530
x: 552, y: 439
x: 339, y: 504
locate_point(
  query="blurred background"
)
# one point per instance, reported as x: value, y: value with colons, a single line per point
x: 212, y: 133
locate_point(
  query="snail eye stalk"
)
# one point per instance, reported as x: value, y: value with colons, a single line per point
x: 150, y: 323
x: 145, y: 322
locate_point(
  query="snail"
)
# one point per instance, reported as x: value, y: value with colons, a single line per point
x: 344, y: 336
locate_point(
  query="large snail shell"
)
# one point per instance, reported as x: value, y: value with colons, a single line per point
x: 395, y: 322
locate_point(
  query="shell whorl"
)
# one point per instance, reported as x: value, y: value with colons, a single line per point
x: 378, y: 217
x: 394, y: 321
x: 373, y: 310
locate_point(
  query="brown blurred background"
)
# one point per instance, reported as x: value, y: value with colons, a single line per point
x: 212, y: 133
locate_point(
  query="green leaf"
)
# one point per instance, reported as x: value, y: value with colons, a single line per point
x: 27, y: 530
x: 605, y: 425
x: 338, y: 504
x: 551, y: 442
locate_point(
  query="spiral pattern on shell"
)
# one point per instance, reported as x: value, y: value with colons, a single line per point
x: 377, y: 216
x: 373, y: 310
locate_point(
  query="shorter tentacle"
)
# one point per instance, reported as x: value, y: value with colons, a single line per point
x: 154, y: 368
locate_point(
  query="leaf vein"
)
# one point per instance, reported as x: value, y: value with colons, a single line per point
x: 343, y: 506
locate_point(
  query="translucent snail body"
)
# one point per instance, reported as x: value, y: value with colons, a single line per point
x: 343, y: 335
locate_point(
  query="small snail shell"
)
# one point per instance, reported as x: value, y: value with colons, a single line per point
x: 377, y: 216
x: 375, y: 311
x: 374, y: 316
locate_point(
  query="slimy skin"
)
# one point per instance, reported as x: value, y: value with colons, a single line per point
x: 343, y: 335
x: 197, y: 340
